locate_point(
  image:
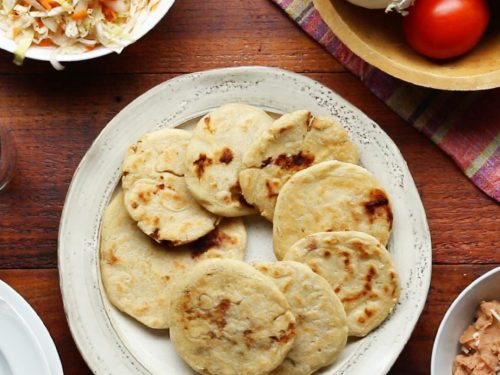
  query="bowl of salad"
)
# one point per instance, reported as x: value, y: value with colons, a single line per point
x: 442, y: 44
x: 73, y: 30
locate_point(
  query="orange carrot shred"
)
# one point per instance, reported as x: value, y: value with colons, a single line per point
x: 46, y: 4
x: 46, y: 43
x: 79, y: 15
x: 109, y: 13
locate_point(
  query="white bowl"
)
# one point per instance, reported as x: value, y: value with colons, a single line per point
x: 45, y: 53
x: 458, y: 317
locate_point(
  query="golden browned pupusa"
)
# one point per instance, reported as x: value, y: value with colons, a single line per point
x: 156, y: 195
x: 138, y: 273
x: 214, y: 157
x: 321, y: 324
x: 294, y: 142
x: 360, y: 271
x: 229, y: 319
x: 330, y: 196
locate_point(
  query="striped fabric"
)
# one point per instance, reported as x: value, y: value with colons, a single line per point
x: 465, y: 125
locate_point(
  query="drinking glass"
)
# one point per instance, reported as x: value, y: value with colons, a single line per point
x: 7, y: 157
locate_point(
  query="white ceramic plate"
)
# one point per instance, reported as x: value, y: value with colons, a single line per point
x: 45, y: 53
x: 25, y: 344
x: 458, y: 317
x: 112, y: 343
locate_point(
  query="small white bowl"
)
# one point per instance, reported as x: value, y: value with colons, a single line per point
x: 458, y: 317
x: 45, y: 53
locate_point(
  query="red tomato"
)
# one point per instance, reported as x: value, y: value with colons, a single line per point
x: 445, y: 28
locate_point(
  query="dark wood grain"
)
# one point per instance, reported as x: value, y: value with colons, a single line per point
x: 56, y: 115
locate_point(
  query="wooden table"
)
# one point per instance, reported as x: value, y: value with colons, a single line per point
x: 56, y: 115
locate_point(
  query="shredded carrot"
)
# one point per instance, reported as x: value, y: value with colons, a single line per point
x: 46, y: 4
x: 154, y: 6
x: 79, y: 15
x: 46, y: 43
x: 109, y: 13
x: 39, y: 22
x: 15, y: 32
x: 89, y: 48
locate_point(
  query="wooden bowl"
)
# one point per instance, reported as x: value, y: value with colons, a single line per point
x: 378, y: 39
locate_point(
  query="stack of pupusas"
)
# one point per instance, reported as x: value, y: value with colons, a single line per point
x: 172, y: 242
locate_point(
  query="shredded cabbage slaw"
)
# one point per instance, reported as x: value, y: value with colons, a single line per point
x: 72, y: 26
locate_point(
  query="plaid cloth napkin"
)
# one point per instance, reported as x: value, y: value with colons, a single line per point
x: 465, y: 125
